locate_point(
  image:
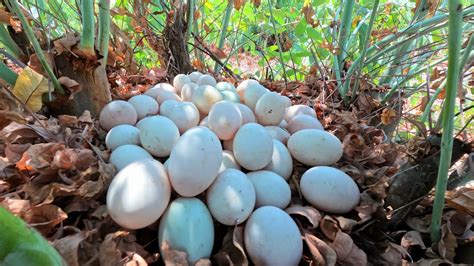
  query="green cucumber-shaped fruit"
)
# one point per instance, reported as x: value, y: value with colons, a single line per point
x: 22, y: 245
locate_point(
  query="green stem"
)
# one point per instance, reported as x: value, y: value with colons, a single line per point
x: 9, y: 43
x: 346, y: 23
x: 454, y: 48
x: 225, y: 24
x: 467, y: 53
x: 191, y: 9
x: 104, y: 28
x: 13, y: 5
x: 87, y: 38
x: 277, y: 37
x: 365, y: 45
x: 7, y: 74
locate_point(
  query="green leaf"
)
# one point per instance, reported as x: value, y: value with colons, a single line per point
x: 301, y: 27
x: 314, y: 34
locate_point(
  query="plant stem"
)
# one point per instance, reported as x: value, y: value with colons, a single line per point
x: 225, y: 24
x: 454, y: 47
x: 365, y: 43
x: 277, y: 37
x: 87, y: 37
x: 346, y: 22
x: 9, y: 43
x: 7, y: 74
x: 104, y: 28
x: 191, y: 9
x: 13, y: 5
x: 467, y: 53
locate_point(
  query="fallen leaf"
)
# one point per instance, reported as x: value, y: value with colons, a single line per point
x: 393, y: 254
x: 68, y: 246
x: 321, y: 252
x: 109, y: 255
x: 446, y: 247
x: 29, y: 88
x: 18, y: 207
x: 45, y: 217
x: 329, y: 227
x: 311, y: 214
x: 232, y: 251
x: 412, y: 238
x: 72, y: 86
x: 6, y: 117
x: 173, y: 257
x: 459, y: 223
x: 347, y: 252
x: 308, y: 13
x: 388, y: 116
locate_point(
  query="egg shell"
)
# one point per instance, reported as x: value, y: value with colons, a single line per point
x: 283, y: 124
x: 195, y: 161
x: 247, y: 114
x: 315, y: 147
x: 127, y: 154
x: 144, y: 105
x: 230, y: 96
x: 302, y: 121
x: 204, y: 122
x: 205, y: 97
x: 206, y: 80
x: 281, y: 163
x: 253, y: 147
x: 117, y: 113
x: 228, y: 161
x: 246, y: 84
x: 271, y: 189
x: 294, y: 110
x: 270, y: 109
x: 252, y: 94
x: 159, y: 135
x: 287, y: 101
x: 179, y: 81
x: 185, y: 116
x: 168, y: 106
x: 271, y: 237
x: 187, y: 226
x: 139, y: 194
x: 188, y: 91
x: 329, y: 189
x: 194, y: 76
x: 121, y: 135
x: 225, y: 119
x: 155, y: 90
x: 140, y: 123
x: 224, y: 85
x: 278, y: 133
x: 166, y: 95
x: 228, y: 145
x: 231, y: 198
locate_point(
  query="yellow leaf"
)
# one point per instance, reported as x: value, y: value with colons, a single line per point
x: 29, y: 88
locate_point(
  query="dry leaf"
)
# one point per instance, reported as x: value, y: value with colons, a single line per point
x: 256, y: 3
x: 173, y: 257
x: 71, y: 85
x: 18, y: 207
x: 68, y: 246
x: 387, y: 116
x: 446, y: 247
x: 329, y: 227
x: 29, y: 88
x: 463, y: 200
x: 310, y: 213
x: 412, y: 238
x: 238, y: 4
x: 6, y: 117
x: 45, y: 217
x: 347, y: 252
x: 321, y: 252
x: 109, y: 255
x: 232, y: 251
x: 308, y: 13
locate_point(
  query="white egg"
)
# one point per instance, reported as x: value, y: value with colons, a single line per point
x: 117, y: 113
x: 158, y: 135
x: 278, y: 133
x: 184, y: 115
x: 253, y: 147
x: 224, y: 85
x: 187, y: 226
x: 188, y: 91
x: 315, y: 147
x: 144, y: 105
x: 228, y: 145
x: 270, y: 109
x: 204, y: 122
x: 168, y: 106
x: 302, y: 121
x: 195, y: 161
x: 127, y: 154
x: 283, y: 124
x: 252, y: 94
x: 228, y: 161
x: 206, y: 80
x: 247, y: 114
x: 121, y: 135
x: 194, y: 76
x: 271, y: 189
x: 244, y: 85
x: 287, y: 101
x: 281, y: 163
x: 230, y: 96
x: 179, y: 81
x: 140, y: 123
x: 205, y: 97
x: 271, y: 237
x: 139, y: 194
x: 166, y: 95
x: 294, y: 110
x: 329, y: 189
x: 155, y: 90
x: 225, y: 119
x: 231, y: 197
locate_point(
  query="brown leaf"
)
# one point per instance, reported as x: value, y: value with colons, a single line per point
x: 199, y: 65
x: 232, y: 251
x: 463, y: 200
x: 388, y: 116
x: 64, y: 159
x: 256, y: 3
x: 39, y: 156
x: 420, y: 224
x: 5, y: 16
x: 66, y: 43
x: 219, y: 53
x: 347, y: 252
x: 353, y: 145
x: 18, y: 207
x: 412, y: 238
x: 367, y: 206
x: 173, y: 257
x: 6, y: 117
x: 45, y: 217
x: 460, y: 223
x: 71, y: 85
x: 394, y: 254
x: 310, y: 213
x: 308, y: 13
x: 321, y: 252
x: 109, y: 255
x: 446, y: 247
x: 14, y: 152
x: 68, y: 246
x: 329, y: 227
x: 238, y: 4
